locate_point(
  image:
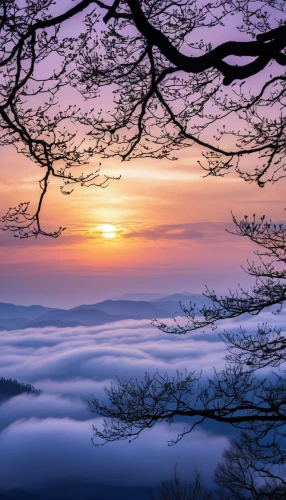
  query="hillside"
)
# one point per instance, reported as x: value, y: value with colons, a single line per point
x: 10, y: 388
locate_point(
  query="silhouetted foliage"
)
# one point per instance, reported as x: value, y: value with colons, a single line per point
x: 175, y: 489
x: 249, y: 470
x: 252, y: 469
x: 269, y: 289
x: 167, y: 88
x: 240, y: 394
x: 11, y: 387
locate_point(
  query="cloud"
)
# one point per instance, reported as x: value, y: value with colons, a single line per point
x: 26, y: 406
x: 49, y: 435
x: 56, y: 448
x: 127, y: 348
x: 208, y: 231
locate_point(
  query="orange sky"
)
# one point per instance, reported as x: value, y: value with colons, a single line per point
x: 169, y: 231
x: 169, y: 224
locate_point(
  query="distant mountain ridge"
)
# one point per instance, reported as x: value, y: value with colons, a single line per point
x: 138, y: 309
x: 13, y: 317
x: 8, y: 310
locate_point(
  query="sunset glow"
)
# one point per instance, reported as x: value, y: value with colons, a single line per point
x: 160, y: 228
x: 108, y: 231
x: 170, y: 233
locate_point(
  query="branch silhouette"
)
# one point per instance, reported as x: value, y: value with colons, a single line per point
x: 171, y: 87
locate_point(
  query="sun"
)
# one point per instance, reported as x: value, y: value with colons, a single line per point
x: 108, y: 231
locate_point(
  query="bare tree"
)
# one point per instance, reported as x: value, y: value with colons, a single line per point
x: 177, y: 490
x: 239, y: 394
x: 234, y: 395
x: 269, y: 274
x: 171, y: 88
x: 252, y: 469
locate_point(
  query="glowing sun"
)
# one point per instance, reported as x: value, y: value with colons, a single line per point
x: 108, y: 231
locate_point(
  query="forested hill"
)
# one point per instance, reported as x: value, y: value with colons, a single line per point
x: 10, y: 388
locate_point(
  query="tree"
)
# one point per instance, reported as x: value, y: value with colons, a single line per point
x: 240, y: 394
x: 177, y: 490
x: 237, y: 395
x: 10, y: 388
x: 172, y: 89
x: 251, y: 470
x: 269, y: 289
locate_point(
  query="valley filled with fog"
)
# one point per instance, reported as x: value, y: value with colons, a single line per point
x: 45, y: 438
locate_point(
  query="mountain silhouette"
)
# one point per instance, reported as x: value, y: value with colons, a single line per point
x: 13, y: 317
x: 128, y: 308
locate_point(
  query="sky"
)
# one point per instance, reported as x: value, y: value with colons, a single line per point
x: 169, y: 229
x: 170, y: 232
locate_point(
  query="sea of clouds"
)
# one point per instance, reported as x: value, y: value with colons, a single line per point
x: 51, y: 433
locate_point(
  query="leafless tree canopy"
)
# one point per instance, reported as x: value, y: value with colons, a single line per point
x: 269, y: 273
x: 249, y: 470
x: 242, y: 394
x: 164, y: 81
x: 252, y: 469
x: 236, y: 395
x: 176, y: 489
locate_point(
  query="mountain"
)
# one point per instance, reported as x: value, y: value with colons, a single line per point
x: 83, y: 315
x: 23, y: 312
x: 185, y: 298
x: 86, y: 315
x: 171, y: 303
x: 14, y: 317
x: 10, y: 388
x: 128, y: 308
x: 13, y: 324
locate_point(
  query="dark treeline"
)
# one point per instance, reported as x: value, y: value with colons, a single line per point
x: 10, y: 388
